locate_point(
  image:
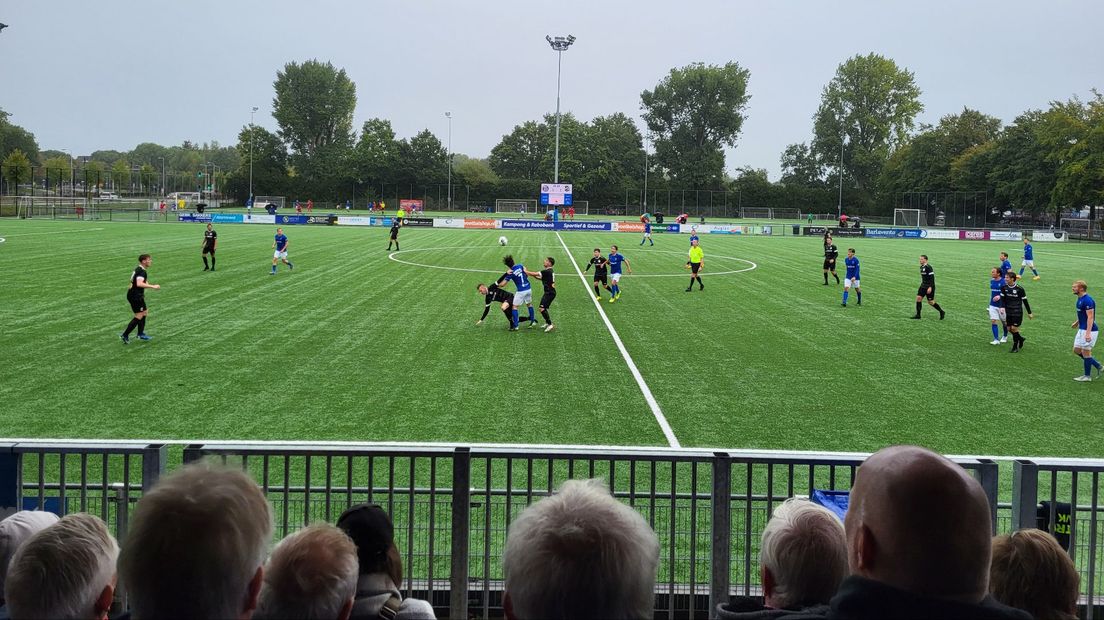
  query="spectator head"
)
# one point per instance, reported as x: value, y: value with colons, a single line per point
x: 1032, y: 572
x: 196, y: 546
x: 580, y: 554
x: 15, y: 530
x: 920, y: 523
x: 64, y: 571
x: 312, y: 575
x: 371, y: 530
x: 803, y: 557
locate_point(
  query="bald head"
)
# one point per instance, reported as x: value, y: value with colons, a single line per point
x: 921, y: 523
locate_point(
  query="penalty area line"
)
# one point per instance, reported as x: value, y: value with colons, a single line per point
x: 644, y: 389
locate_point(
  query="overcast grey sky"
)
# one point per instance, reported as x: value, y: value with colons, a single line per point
x: 108, y: 75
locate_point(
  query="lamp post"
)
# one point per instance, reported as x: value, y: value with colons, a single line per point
x: 645, y: 177
x: 251, y: 113
x: 560, y: 45
x: 448, y: 115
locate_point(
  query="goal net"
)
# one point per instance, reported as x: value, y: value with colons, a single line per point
x: 517, y: 205
x: 910, y: 218
x: 757, y: 213
x: 259, y: 202
x: 53, y: 207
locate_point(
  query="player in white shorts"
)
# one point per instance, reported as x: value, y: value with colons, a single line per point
x: 998, y: 317
x: 1087, y: 331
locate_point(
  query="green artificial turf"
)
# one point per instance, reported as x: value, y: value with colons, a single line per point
x: 352, y: 345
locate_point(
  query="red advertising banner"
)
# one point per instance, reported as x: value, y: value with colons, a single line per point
x: 480, y: 223
x: 973, y: 235
x: 637, y: 227
x: 412, y: 205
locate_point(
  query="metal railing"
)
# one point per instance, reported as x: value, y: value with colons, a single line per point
x: 452, y: 506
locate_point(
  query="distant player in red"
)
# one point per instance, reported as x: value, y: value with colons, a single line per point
x: 571, y: 212
x: 298, y: 207
x: 310, y: 205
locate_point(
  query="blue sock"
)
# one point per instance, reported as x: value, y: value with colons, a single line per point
x: 1005, y: 329
x: 531, y: 317
x: 1088, y: 365
x: 1095, y: 363
x: 1034, y: 271
x: 650, y: 242
x: 995, y: 335
x: 274, y: 269
x: 1021, y: 271
x: 514, y: 314
x: 642, y: 241
x: 859, y: 295
x: 845, y: 295
x: 617, y: 289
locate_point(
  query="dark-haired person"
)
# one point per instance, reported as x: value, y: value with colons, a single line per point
x: 1029, y: 259
x: 1087, y: 330
x: 381, y: 571
x: 831, y: 253
x: 210, y: 237
x: 1005, y: 265
x: 601, y: 265
x: 1032, y: 572
x: 694, y: 264
x: 493, y: 294
x: 515, y: 272
x: 615, y: 259
x: 851, y: 277
x: 927, y: 288
x: 997, y: 315
x: 1014, y: 298
x: 280, y: 246
x: 136, y: 296
x: 396, y: 224
x: 548, y: 279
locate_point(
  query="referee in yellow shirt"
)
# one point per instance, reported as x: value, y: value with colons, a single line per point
x: 695, y: 265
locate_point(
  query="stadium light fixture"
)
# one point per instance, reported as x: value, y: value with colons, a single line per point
x: 251, y: 113
x: 2, y: 27
x: 448, y: 115
x: 559, y: 45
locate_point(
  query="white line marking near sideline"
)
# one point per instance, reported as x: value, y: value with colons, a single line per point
x: 53, y: 232
x: 1063, y: 254
x: 652, y: 404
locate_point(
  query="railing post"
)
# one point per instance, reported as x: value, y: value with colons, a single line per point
x: 461, y: 525
x: 153, y: 464
x: 193, y: 452
x: 988, y: 474
x: 721, y: 546
x: 1025, y: 494
x: 9, y: 480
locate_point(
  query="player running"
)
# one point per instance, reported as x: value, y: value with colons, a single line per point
x: 927, y: 288
x: 136, y: 296
x: 647, y: 230
x: 1029, y: 259
x: 1005, y: 265
x: 210, y: 238
x: 831, y: 253
x: 996, y: 306
x: 600, y: 265
x: 396, y: 224
x: 1014, y: 298
x: 1087, y: 331
x: 492, y: 294
x: 615, y: 260
x: 697, y: 258
x: 523, y: 293
x: 548, y: 279
x: 851, y: 277
x: 280, y: 244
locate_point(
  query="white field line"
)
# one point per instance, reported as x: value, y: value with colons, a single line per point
x: 52, y: 232
x: 644, y: 389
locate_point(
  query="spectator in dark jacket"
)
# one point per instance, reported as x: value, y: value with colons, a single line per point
x: 1032, y: 572
x: 918, y: 537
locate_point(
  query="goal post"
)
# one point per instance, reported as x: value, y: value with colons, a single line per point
x: 516, y: 205
x: 54, y: 207
x: 910, y: 218
x: 259, y: 202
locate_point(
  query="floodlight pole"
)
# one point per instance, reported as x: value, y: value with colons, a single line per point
x: 162, y: 175
x: 843, y: 139
x: 448, y: 115
x: 251, y: 113
x: 560, y: 45
x: 645, y: 177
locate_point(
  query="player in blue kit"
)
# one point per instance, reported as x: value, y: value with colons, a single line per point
x: 996, y: 306
x: 615, y: 260
x: 1029, y: 259
x: 280, y: 244
x: 694, y: 235
x: 1005, y: 265
x: 647, y: 230
x: 1087, y: 331
x: 523, y: 293
x: 851, y: 278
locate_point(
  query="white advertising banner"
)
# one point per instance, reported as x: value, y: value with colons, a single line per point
x: 260, y: 219
x: 353, y: 221
x: 1049, y: 235
x: 998, y: 235
x: 938, y: 233
x: 448, y: 222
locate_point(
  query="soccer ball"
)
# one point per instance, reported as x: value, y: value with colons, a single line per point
x: 502, y: 241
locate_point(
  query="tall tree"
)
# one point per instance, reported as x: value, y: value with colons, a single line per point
x: 270, y: 164
x: 869, y: 106
x: 14, y: 137
x: 521, y: 153
x: 120, y: 173
x: 16, y: 169
x: 615, y: 157
x: 800, y: 168
x: 57, y: 170
x: 1072, y: 132
x: 313, y: 106
x: 1022, y: 175
x: 692, y: 115
x: 423, y: 159
x: 472, y: 171
x: 375, y: 158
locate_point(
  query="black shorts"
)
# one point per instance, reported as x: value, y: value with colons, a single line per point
x: 547, y: 299
x: 137, y: 301
x: 694, y: 267
x: 830, y: 265
x: 601, y: 278
x: 923, y: 292
x: 207, y: 249
x: 394, y: 234
x: 1014, y: 319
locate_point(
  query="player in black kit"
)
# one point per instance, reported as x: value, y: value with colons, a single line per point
x: 1015, y: 302
x: 210, y: 238
x: 548, y: 279
x: 600, y: 265
x: 492, y: 294
x: 927, y: 288
x: 831, y: 253
x: 395, y: 225
x: 139, y: 282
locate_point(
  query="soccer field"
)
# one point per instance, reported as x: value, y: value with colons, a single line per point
x: 359, y: 344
